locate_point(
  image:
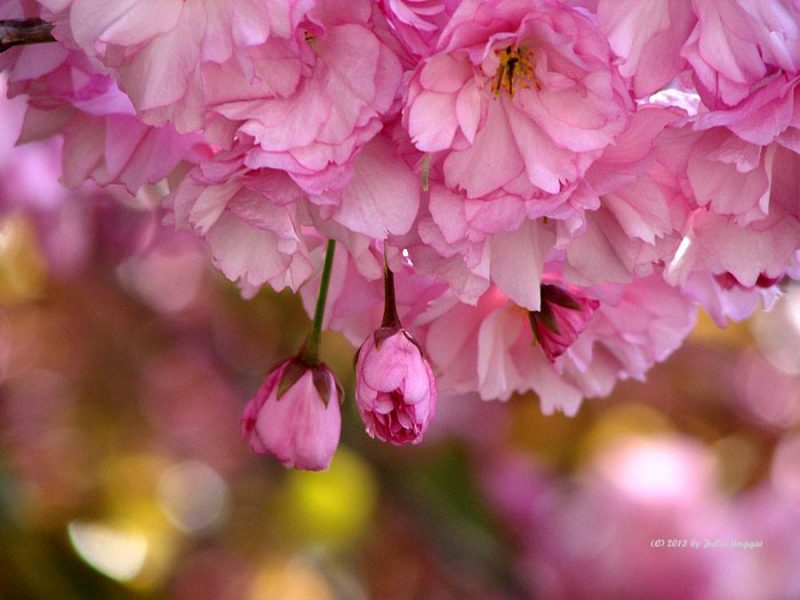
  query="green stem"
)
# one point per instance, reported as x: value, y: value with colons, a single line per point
x: 310, y: 354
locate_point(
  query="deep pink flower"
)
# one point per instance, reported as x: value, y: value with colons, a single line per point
x: 395, y: 387
x: 563, y: 316
x: 295, y: 416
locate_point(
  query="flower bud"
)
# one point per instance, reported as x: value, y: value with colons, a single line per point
x: 295, y: 416
x: 562, y: 317
x: 395, y: 387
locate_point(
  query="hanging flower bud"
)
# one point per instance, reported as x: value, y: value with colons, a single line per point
x: 395, y: 387
x: 562, y: 317
x: 295, y: 416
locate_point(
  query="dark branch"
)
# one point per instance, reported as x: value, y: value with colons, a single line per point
x: 24, y: 31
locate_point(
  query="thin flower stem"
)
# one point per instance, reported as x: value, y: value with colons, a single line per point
x: 310, y: 354
x: 390, y: 318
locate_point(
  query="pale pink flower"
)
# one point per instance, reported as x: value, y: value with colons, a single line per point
x: 344, y: 85
x: 160, y: 51
x: 490, y: 347
x: 641, y: 213
x: 378, y: 198
x: 521, y: 97
x: 713, y: 243
x: 630, y: 236
x: 767, y: 114
x: 724, y: 298
x: 736, y: 44
x: 730, y: 176
x: 471, y: 243
x: 295, y: 416
x: 418, y: 23
x: 395, y: 387
x: 103, y: 139
x: 718, y: 243
x: 477, y: 243
x: 648, y: 36
x: 250, y: 219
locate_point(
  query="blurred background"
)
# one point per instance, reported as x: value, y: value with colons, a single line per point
x: 125, y: 362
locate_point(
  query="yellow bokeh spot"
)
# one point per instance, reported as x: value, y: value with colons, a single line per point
x: 292, y: 580
x: 740, y: 460
x: 631, y: 419
x: 331, y: 506
x: 130, y: 483
x: 735, y: 335
x: 23, y: 269
x: 550, y: 437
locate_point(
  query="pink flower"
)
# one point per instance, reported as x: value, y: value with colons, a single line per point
x: 169, y: 55
x: 341, y: 83
x: 521, y: 97
x: 478, y: 241
x: 736, y: 44
x: 489, y: 347
x: 418, y: 23
x: 395, y: 388
x: 648, y: 37
x: 295, y: 416
x: 563, y: 316
x: 103, y: 139
x: 768, y: 114
x: 714, y: 242
x: 249, y: 219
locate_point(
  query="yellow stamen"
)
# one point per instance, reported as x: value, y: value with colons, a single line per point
x: 514, y: 63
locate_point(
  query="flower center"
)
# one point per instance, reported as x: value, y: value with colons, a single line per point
x: 515, y: 70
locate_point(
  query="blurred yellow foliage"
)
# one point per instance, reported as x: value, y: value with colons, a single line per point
x: 23, y: 269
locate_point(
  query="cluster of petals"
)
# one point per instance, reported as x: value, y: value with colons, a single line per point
x: 556, y: 184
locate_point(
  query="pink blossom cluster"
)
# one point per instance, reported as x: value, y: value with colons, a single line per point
x: 556, y: 184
